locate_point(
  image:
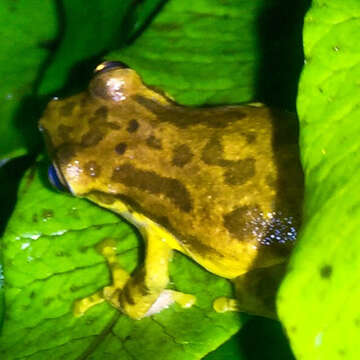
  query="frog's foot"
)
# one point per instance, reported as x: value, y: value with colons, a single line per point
x: 106, y: 248
x: 255, y: 292
x: 224, y: 304
x: 248, y: 305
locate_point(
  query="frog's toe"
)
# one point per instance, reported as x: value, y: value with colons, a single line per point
x: 108, y: 293
x: 225, y: 304
x: 81, y: 306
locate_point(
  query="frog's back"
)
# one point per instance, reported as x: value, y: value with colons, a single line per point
x: 225, y: 182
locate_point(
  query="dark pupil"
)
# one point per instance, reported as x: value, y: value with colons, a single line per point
x: 54, y: 179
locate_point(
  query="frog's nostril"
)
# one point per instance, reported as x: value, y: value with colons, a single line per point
x: 55, y: 180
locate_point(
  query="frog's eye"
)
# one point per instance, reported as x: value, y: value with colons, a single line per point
x: 56, y: 181
x: 114, y: 81
x: 109, y: 65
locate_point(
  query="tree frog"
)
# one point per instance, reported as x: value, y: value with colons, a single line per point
x: 222, y: 185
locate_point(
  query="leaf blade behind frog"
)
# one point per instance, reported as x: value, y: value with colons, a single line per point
x: 24, y: 48
x: 89, y: 29
x: 213, y: 52
x: 322, y: 286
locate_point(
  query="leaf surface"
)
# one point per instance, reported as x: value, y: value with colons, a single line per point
x: 319, y: 299
x: 24, y: 48
x: 89, y: 29
x: 217, y: 52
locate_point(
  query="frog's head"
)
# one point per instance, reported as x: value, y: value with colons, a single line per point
x: 87, y: 134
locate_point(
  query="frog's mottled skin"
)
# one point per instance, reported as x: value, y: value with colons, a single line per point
x: 222, y: 185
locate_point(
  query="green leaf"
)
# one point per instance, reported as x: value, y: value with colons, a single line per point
x: 88, y: 29
x: 212, y: 52
x: 2, y: 302
x: 50, y: 260
x: 259, y: 338
x: 319, y: 300
x: 181, y: 49
x: 230, y: 350
x: 10, y: 174
x: 23, y: 52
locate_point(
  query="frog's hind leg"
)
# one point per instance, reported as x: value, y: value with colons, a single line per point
x: 145, y: 293
x: 255, y: 292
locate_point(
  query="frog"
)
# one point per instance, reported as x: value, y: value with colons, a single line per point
x: 222, y: 185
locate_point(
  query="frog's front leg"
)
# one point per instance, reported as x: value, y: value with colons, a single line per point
x: 145, y: 293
